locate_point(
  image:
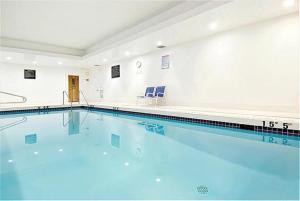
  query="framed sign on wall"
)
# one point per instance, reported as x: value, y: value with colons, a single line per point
x: 165, y: 62
x: 115, y: 71
x: 29, y: 74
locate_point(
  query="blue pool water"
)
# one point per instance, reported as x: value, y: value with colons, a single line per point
x: 84, y: 154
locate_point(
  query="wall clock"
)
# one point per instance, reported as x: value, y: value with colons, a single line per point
x: 138, y: 64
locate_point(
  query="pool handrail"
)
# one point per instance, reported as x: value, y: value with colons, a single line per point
x: 24, y: 99
x: 80, y: 92
x: 83, y: 97
x: 65, y: 92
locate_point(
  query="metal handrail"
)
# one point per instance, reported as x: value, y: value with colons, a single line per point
x: 24, y: 119
x: 83, y: 97
x: 24, y: 99
x: 65, y: 92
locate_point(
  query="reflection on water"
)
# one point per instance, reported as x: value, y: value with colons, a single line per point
x: 152, y: 127
x: 115, y: 140
x: 6, y: 123
x: 100, y: 117
x: 74, y: 123
x: 31, y: 139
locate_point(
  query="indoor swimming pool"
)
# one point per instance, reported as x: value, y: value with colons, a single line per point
x: 83, y: 154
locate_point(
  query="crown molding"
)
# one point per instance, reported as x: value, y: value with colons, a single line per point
x: 39, y: 47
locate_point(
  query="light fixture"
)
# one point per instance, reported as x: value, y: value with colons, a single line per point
x: 159, y: 44
x: 35, y: 153
x: 104, y: 60
x: 104, y: 153
x: 59, y: 63
x: 126, y: 164
x: 60, y: 150
x: 127, y: 53
x: 10, y: 161
x: 8, y: 58
x: 213, y: 26
x: 288, y: 3
x: 34, y: 62
x: 157, y: 180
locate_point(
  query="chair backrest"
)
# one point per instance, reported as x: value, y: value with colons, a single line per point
x: 149, y: 92
x: 160, y: 91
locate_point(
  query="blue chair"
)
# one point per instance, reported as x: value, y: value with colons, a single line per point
x: 159, y: 92
x: 149, y: 93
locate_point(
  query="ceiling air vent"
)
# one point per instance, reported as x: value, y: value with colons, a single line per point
x: 161, y: 46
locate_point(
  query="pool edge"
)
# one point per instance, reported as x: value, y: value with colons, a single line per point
x: 227, y: 124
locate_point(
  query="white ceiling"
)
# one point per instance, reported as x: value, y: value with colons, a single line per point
x: 74, y: 24
x: 196, y: 25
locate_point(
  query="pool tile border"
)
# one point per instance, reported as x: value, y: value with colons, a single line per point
x: 258, y: 129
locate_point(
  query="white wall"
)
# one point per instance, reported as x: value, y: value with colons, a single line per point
x: 254, y: 67
x: 45, y: 89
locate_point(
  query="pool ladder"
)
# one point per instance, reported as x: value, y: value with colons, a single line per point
x: 24, y: 99
x: 83, y: 98
x: 67, y: 95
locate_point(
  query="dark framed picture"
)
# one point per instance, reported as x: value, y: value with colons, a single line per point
x: 29, y: 74
x: 115, y: 71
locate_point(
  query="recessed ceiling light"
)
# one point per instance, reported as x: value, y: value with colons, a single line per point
x: 159, y: 44
x: 126, y: 164
x: 59, y: 63
x: 10, y: 161
x: 213, y: 25
x: 104, y: 60
x: 36, y: 153
x: 157, y: 180
x: 8, y: 58
x: 127, y: 53
x: 60, y: 150
x: 104, y: 153
x: 288, y: 3
x: 34, y: 62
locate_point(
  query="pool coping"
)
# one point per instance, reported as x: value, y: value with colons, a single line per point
x: 229, y: 122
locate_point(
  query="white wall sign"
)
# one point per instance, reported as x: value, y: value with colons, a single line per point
x: 165, y: 62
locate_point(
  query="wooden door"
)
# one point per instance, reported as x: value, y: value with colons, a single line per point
x: 73, y: 88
